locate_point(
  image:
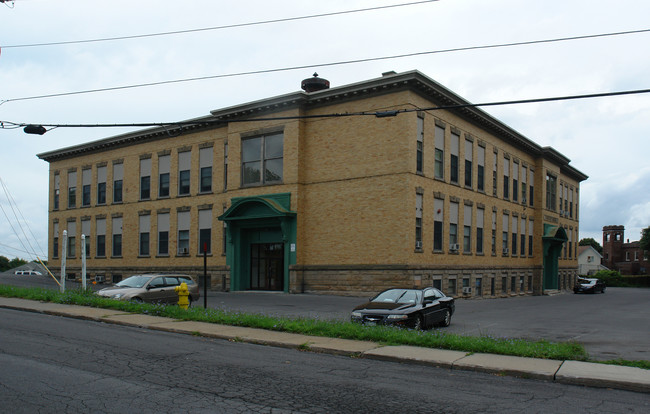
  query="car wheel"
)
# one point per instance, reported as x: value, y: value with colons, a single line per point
x: 418, y: 325
x: 446, y: 321
x: 138, y: 300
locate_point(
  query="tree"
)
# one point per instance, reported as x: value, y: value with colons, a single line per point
x: 645, y: 239
x: 588, y: 241
x: 4, y: 264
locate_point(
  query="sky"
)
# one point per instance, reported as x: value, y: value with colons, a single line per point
x: 606, y: 138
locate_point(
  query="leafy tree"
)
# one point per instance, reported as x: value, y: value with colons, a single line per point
x: 16, y: 262
x: 4, y: 264
x: 588, y: 241
x: 645, y: 239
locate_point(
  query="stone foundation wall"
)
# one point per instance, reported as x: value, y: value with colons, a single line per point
x: 483, y: 282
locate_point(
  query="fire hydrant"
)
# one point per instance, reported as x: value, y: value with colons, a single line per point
x: 183, y: 295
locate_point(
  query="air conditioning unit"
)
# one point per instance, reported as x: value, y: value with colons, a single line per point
x: 506, y: 251
x: 467, y: 291
x: 184, y: 250
x: 523, y: 200
x: 454, y: 247
x: 100, y: 278
x: 418, y: 244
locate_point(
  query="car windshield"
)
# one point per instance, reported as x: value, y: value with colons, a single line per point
x: 134, y: 281
x: 399, y: 296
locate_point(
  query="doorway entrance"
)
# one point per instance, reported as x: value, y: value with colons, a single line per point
x: 267, y: 266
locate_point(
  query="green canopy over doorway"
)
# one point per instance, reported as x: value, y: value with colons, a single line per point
x: 552, y: 240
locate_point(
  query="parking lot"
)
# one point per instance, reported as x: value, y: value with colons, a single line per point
x: 611, y: 325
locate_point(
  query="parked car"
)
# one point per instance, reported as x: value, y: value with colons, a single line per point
x: 413, y: 308
x: 584, y: 285
x: 28, y: 273
x: 152, y: 288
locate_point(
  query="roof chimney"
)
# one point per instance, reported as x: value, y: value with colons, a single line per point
x: 314, y: 84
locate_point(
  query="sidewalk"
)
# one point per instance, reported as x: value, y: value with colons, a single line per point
x: 566, y: 372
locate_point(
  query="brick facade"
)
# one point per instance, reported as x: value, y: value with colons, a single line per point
x: 354, y: 186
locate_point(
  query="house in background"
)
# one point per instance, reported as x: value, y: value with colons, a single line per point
x: 589, y: 261
x: 628, y: 258
x: 392, y: 181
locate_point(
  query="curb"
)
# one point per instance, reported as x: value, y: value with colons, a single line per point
x: 565, y: 372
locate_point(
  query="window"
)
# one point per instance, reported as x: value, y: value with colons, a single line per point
x: 571, y: 203
x: 506, y: 177
x: 439, y: 168
x: 117, y: 237
x: 467, y: 229
x: 72, y: 189
x: 515, y: 181
x: 469, y: 146
x: 437, y: 282
x: 205, y: 173
x: 480, y: 213
x: 438, y: 215
x: 145, y: 179
x: 494, y: 232
x: 72, y: 232
x: 453, y: 163
x: 523, y: 237
x: 100, y: 229
x: 57, y: 190
x: 505, y: 234
x: 504, y: 284
x: 184, y: 160
x: 225, y: 166
x: 101, y: 185
x: 205, y: 231
x: 524, y: 187
x: 86, y: 176
x: 636, y: 255
x: 183, y: 240
x: 566, y: 200
x: 55, y: 239
x: 262, y: 160
x: 551, y: 190
x: 163, y: 234
x: 514, y: 236
x: 513, y: 284
x: 561, y: 193
x: 118, y: 176
x: 494, y: 174
x: 530, y: 237
x: 85, y: 231
x: 163, y: 175
x: 453, y: 226
x: 420, y: 145
x: 418, y: 221
x: 452, y: 287
x: 531, y: 181
x: 145, y: 231
x: 480, y: 179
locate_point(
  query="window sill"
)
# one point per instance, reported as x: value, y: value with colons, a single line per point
x: 468, y: 254
x: 100, y: 257
x: 144, y: 257
x: 116, y: 257
x: 438, y: 252
x: 453, y: 252
x: 441, y: 179
x: 145, y: 199
x: 86, y: 206
x: 184, y: 195
x: 100, y: 204
x: 161, y: 256
x: 164, y: 197
x: 118, y: 202
x: 207, y: 192
x: 201, y: 254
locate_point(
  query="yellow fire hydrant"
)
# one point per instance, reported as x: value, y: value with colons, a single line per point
x: 183, y: 295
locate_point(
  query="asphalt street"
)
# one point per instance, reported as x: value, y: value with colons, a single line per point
x: 611, y: 325
x: 55, y: 364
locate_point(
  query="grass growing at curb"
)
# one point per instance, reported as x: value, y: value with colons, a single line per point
x: 333, y: 329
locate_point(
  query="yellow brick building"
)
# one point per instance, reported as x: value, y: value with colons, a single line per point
x: 394, y: 181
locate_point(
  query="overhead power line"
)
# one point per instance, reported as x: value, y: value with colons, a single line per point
x: 326, y: 64
x: 228, y: 26
x: 378, y: 114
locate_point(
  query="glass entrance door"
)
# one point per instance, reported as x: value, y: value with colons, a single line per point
x: 267, y: 266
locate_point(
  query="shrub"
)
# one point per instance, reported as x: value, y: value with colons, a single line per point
x: 611, y: 278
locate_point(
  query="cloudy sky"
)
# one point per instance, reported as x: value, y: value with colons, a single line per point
x: 606, y: 138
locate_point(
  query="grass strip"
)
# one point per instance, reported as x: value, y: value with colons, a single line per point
x: 346, y: 330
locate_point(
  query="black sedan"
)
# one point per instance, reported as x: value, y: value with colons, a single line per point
x: 589, y: 286
x: 412, y: 308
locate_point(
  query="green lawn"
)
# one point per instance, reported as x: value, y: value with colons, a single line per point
x: 436, y: 338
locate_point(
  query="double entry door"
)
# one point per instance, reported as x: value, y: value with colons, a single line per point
x: 267, y: 266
